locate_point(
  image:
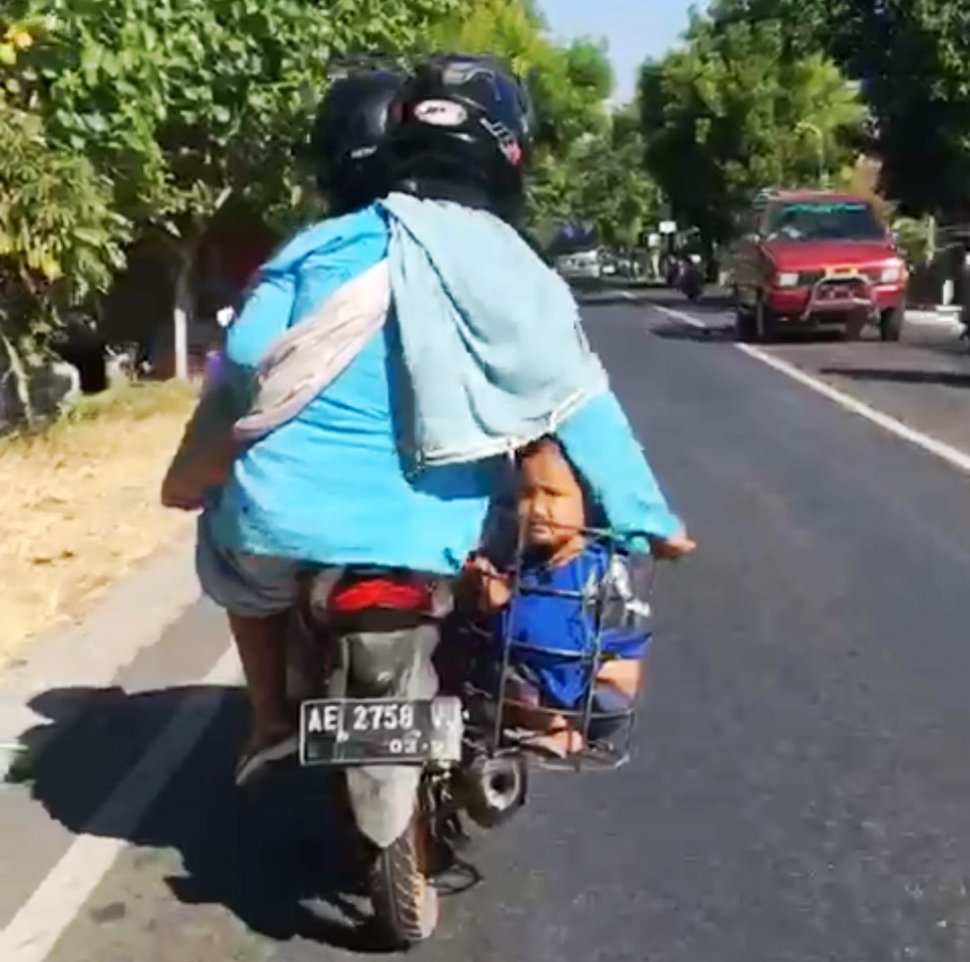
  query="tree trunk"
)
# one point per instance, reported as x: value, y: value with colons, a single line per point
x: 21, y: 386
x: 183, y: 312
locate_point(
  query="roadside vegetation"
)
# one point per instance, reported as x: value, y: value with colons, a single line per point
x: 79, y: 504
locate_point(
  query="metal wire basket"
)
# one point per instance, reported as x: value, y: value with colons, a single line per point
x: 594, y: 737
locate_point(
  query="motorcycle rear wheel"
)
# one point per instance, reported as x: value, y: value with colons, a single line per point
x: 405, y: 902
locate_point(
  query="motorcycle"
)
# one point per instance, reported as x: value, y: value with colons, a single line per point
x: 415, y: 758
x: 691, y: 279
x: 371, y: 707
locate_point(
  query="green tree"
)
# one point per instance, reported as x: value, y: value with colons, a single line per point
x: 186, y: 103
x: 621, y: 198
x: 182, y: 100
x: 913, y: 61
x: 60, y: 237
x: 600, y: 181
x: 733, y: 112
x: 60, y: 240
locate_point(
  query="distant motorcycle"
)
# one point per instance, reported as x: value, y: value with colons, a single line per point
x: 691, y: 279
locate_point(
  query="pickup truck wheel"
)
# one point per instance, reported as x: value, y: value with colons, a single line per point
x: 764, y: 322
x: 745, y: 322
x: 745, y: 326
x: 891, y: 324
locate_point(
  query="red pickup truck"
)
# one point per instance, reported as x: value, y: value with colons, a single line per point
x: 816, y: 260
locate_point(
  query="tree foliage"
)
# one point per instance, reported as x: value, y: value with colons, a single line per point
x: 600, y: 181
x: 60, y: 237
x: 735, y: 111
x: 913, y: 61
x: 184, y: 100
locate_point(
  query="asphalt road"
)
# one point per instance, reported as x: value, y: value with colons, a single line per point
x: 801, y: 789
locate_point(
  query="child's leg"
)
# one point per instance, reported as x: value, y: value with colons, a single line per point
x: 623, y: 676
x: 524, y: 710
x: 618, y: 683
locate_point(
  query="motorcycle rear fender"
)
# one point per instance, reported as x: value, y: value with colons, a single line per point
x: 394, y: 664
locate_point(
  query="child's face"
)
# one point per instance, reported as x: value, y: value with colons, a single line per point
x: 550, y: 499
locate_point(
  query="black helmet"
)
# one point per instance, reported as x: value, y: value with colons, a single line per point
x: 460, y: 124
x: 350, y: 128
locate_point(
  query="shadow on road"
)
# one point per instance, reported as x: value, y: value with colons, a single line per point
x: 279, y: 856
x: 714, y: 301
x: 889, y: 376
x: 700, y: 335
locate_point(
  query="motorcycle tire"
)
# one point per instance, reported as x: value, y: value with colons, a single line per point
x: 746, y: 327
x: 405, y: 902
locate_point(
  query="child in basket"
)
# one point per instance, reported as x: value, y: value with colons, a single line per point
x: 547, y: 684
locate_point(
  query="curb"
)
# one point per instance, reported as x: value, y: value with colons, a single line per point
x: 132, y: 616
x: 934, y: 317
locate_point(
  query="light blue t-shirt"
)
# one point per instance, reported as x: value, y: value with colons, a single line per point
x: 330, y: 487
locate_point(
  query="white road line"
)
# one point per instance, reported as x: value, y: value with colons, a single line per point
x: 953, y: 456
x: 43, y: 918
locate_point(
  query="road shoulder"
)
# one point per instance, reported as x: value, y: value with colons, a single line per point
x: 131, y: 616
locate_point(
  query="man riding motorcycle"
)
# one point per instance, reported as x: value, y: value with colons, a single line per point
x: 339, y: 481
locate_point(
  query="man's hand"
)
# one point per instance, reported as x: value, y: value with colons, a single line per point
x: 670, y: 549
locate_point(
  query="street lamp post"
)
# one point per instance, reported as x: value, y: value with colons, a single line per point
x: 820, y: 137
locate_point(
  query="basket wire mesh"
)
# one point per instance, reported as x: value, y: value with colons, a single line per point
x: 493, y: 721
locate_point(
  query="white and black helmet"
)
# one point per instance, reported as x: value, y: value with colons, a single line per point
x: 465, y: 119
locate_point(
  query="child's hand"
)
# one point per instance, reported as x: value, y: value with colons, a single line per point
x: 670, y: 549
x: 494, y: 590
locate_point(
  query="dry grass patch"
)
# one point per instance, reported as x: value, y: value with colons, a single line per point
x: 79, y: 504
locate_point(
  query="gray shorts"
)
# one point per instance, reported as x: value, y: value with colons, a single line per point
x: 244, y: 584
x: 258, y: 586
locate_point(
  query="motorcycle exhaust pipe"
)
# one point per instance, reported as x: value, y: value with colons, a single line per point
x: 494, y: 789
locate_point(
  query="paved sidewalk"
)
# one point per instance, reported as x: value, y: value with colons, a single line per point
x: 946, y: 317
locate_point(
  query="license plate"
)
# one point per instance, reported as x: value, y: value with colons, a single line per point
x: 345, y: 732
